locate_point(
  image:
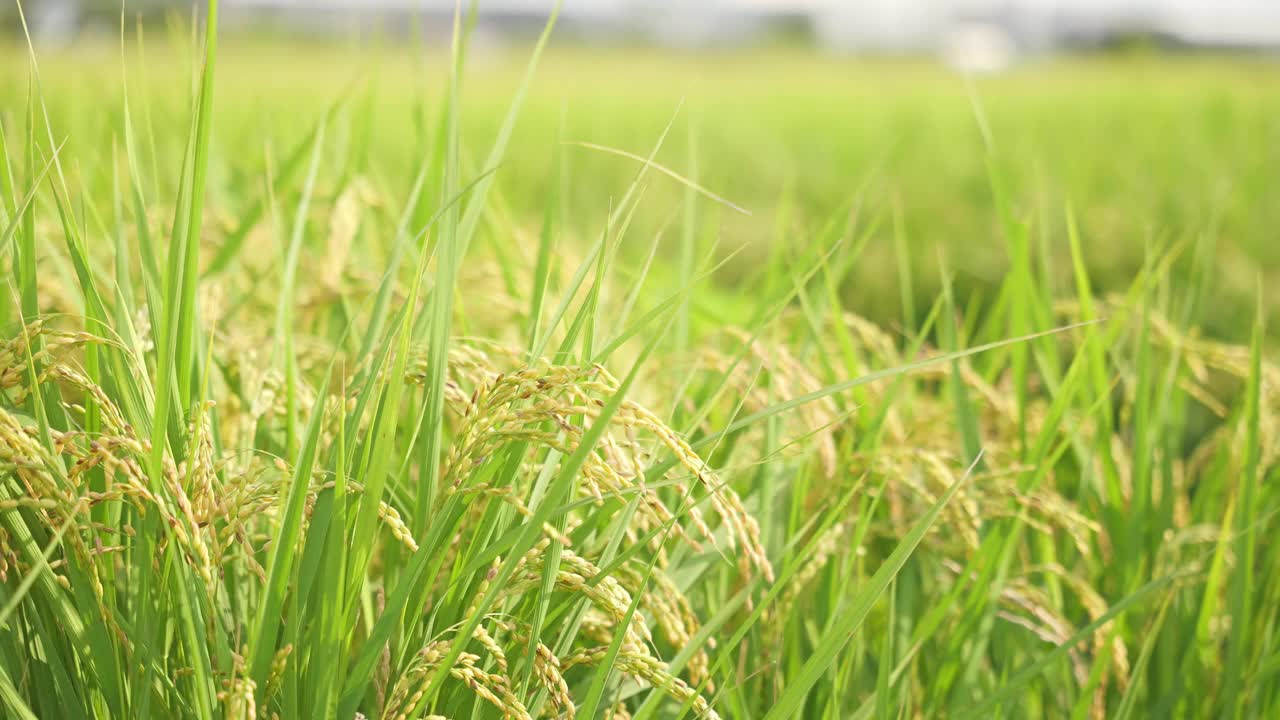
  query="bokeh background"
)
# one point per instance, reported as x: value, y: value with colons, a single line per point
x: 1156, y: 123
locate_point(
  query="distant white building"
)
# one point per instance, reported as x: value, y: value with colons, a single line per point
x: 1030, y: 25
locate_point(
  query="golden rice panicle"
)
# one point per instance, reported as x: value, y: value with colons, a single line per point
x: 548, y: 671
x: 671, y: 611
x: 513, y: 404
x: 411, y: 686
x: 395, y: 525
x: 639, y: 664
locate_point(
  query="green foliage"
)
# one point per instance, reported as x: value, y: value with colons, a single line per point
x: 938, y: 402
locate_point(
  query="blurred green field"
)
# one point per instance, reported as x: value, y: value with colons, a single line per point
x: 1151, y: 151
x: 337, y: 381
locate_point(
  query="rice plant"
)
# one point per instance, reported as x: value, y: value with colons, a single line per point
x: 288, y: 432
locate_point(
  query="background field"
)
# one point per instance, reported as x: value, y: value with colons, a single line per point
x: 1150, y: 150
x: 973, y: 413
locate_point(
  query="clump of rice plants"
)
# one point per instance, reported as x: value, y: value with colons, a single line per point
x: 284, y: 434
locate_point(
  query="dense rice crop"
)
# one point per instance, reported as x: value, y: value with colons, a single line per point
x: 358, y: 392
